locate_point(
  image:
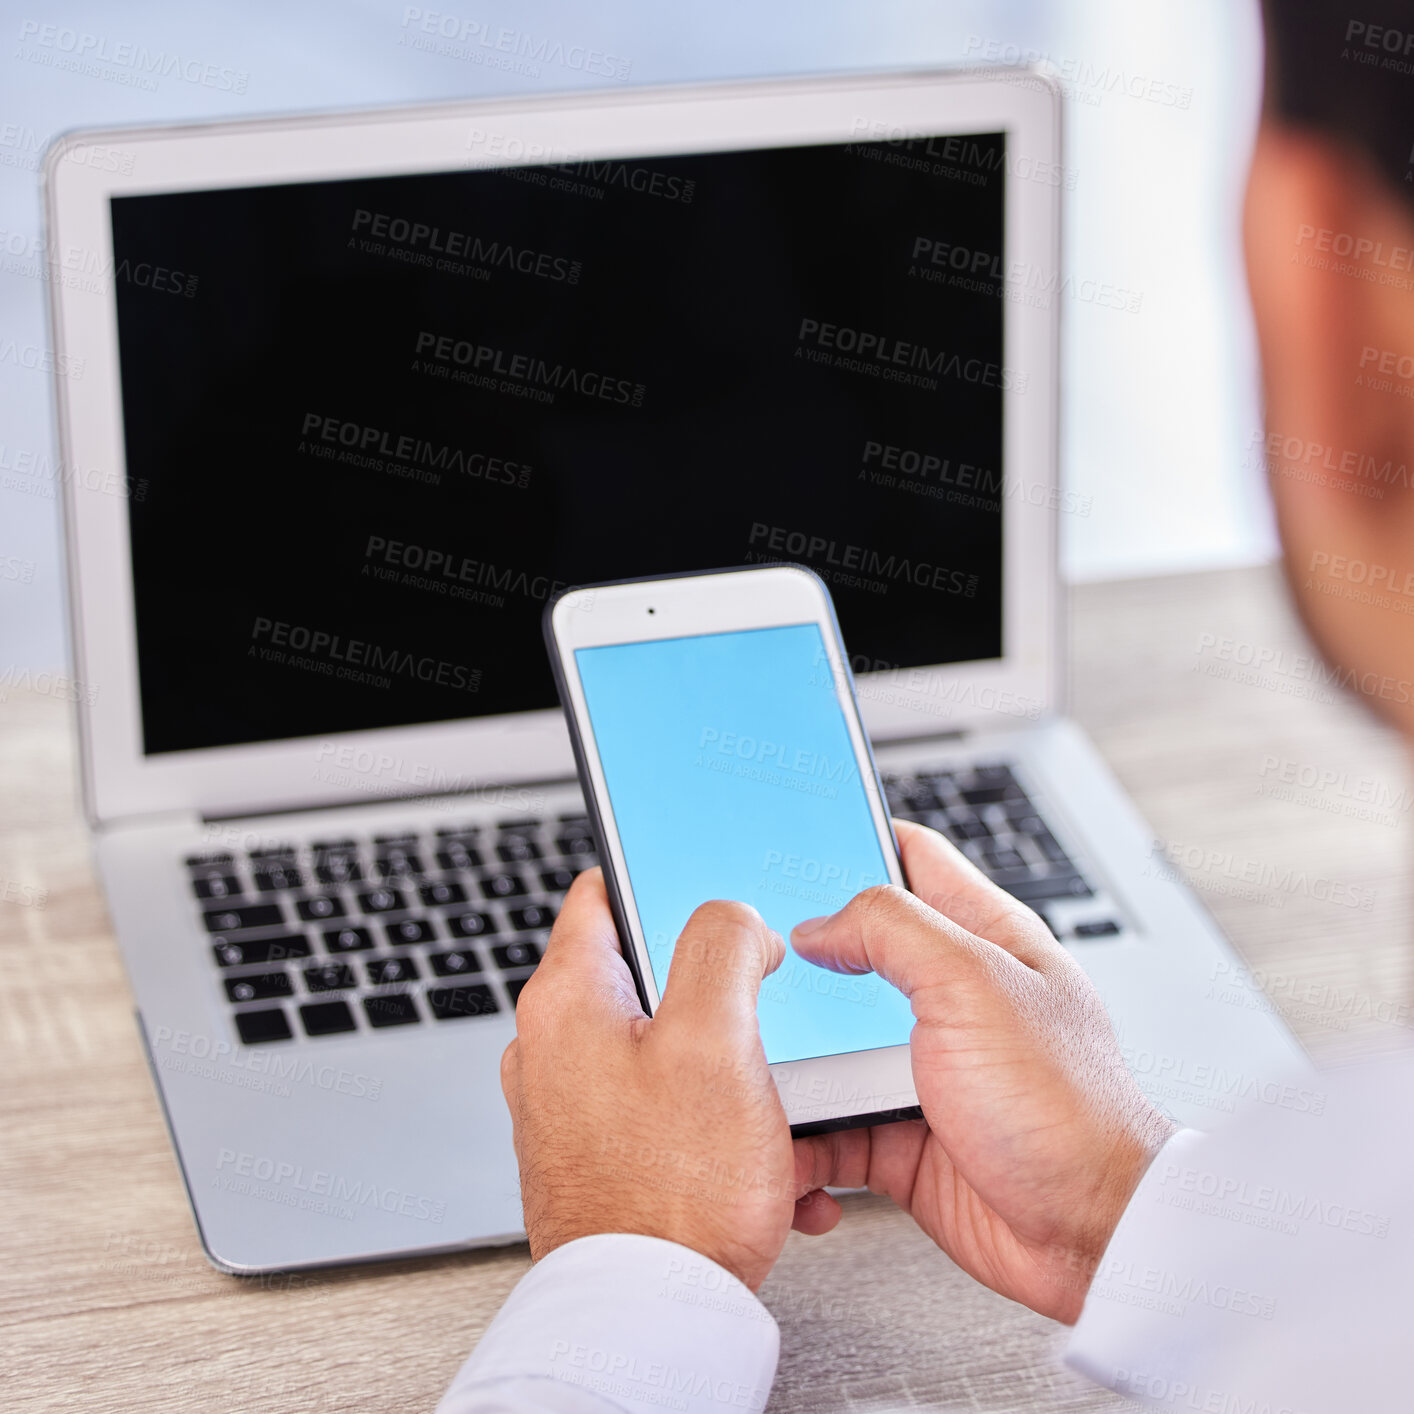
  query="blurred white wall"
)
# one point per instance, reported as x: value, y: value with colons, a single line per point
x: 1159, y: 394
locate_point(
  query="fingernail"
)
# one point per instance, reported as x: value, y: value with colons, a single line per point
x: 806, y: 926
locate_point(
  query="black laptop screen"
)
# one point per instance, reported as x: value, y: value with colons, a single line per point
x: 373, y: 425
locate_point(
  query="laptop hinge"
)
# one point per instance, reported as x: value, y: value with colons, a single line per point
x: 504, y: 795
x: 155, y: 819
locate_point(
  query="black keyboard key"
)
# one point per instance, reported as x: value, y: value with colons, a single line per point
x: 514, y: 987
x: 448, y: 832
x: 231, y: 952
x: 469, y: 924
x: 278, y: 879
x: 993, y: 773
x: 259, y: 987
x: 1052, y: 848
x: 332, y: 977
x: 577, y: 820
x: 339, y: 870
x: 335, y: 846
x: 398, y: 865
x: 324, y: 906
x: 516, y: 849
x: 475, y: 999
x: 208, y: 861
x: 382, y: 901
x: 249, y: 915
x: 277, y: 852
x: 410, y: 930
x: 385, y: 970
x: 443, y: 891
x: 455, y: 963
x: 919, y: 796
x: 969, y: 827
x: 516, y: 955
x: 502, y: 886
x: 407, y: 839
x: 575, y: 846
x: 391, y: 1009
x: 1101, y: 928
x: 258, y: 1027
x: 998, y: 857
x: 1034, y: 889
x: 558, y: 880
x: 1026, y: 822
x: 458, y: 856
x: 533, y: 915
x: 337, y: 940
x: 990, y: 795
x: 216, y: 886
x: 327, y: 1018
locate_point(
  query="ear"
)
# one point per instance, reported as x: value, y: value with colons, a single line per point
x: 1330, y: 265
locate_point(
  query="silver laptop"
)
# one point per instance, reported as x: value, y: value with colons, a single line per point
x: 352, y: 396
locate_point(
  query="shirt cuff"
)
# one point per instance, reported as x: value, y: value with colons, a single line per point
x: 640, y: 1323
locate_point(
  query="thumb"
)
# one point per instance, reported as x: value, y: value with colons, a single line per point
x: 716, y: 971
x: 890, y: 931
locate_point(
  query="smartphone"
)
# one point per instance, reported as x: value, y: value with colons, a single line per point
x: 721, y: 754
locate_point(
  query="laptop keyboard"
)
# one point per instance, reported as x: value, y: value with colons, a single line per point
x: 987, y: 814
x: 421, y: 928
x: 411, y: 929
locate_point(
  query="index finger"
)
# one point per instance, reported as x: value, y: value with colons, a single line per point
x: 951, y: 884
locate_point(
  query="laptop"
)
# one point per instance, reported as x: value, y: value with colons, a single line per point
x: 360, y: 392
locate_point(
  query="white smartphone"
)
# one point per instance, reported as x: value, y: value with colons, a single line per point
x: 722, y: 756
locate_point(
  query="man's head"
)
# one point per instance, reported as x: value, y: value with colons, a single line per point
x: 1329, y: 236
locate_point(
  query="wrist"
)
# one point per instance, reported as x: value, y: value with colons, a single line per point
x: 1122, y: 1170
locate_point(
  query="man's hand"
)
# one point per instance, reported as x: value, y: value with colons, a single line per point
x: 1034, y: 1134
x: 670, y: 1127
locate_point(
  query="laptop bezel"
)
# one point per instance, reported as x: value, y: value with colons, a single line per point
x: 84, y: 170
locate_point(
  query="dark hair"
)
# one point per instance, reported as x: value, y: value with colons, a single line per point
x: 1346, y: 71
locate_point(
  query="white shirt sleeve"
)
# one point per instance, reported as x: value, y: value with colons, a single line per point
x: 1266, y: 1266
x: 621, y: 1322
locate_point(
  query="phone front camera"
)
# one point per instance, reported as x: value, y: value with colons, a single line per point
x: 652, y: 611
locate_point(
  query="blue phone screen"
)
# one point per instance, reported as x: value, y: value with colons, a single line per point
x: 731, y: 775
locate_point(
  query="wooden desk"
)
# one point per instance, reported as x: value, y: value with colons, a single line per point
x: 108, y: 1305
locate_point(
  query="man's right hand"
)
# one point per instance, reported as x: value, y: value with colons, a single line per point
x: 1034, y: 1135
